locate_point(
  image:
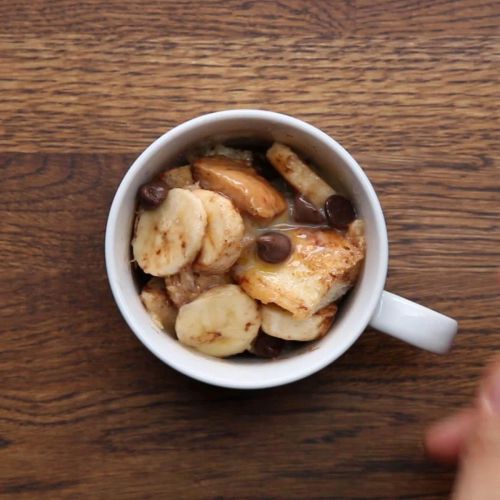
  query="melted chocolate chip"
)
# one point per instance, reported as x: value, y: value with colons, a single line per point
x: 264, y: 167
x: 152, y: 194
x: 274, y: 247
x: 265, y: 346
x: 304, y: 211
x: 339, y: 211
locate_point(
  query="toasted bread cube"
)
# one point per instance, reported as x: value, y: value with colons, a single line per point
x: 155, y: 300
x: 186, y: 285
x: 179, y: 177
x: 356, y: 233
x: 242, y: 155
x: 249, y: 192
x: 299, y: 175
x: 322, y: 267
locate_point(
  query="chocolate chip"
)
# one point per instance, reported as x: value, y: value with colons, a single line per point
x: 152, y: 194
x: 305, y: 211
x: 339, y: 211
x: 273, y: 247
x: 265, y: 346
x: 264, y: 167
x: 141, y: 278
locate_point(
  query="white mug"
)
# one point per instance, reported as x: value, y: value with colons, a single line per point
x: 367, y: 304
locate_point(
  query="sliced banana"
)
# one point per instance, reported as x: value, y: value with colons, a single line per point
x: 221, y: 244
x: 249, y: 192
x: 221, y: 322
x: 186, y: 285
x: 169, y: 237
x: 299, y: 175
x: 280, y: 323
x: 155, y: 300
x: 179, y: 177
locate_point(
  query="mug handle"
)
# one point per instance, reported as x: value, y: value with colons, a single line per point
x: 414, y: 324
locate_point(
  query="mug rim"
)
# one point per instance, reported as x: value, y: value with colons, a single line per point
x: 201, y: 121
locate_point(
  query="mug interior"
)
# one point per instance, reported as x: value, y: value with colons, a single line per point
x: 334, y: 164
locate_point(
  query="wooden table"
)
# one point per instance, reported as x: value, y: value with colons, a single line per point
x: 410, y: 88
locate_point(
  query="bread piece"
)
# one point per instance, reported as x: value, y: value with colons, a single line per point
x: 299, y: 175
x: 155, y: 300
x: 249, y: 192
x: 356, y: 234
x: 186, y: 285
x: 179, y: 177
x: 321, y: 268
x: 243, y: 155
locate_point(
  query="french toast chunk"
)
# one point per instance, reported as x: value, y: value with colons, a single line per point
x: 178, y: 177
x: 186, y: 285
x: 322, y: 267
x: 155, y: 300
x: 299, y: 175
x: 250, y: 192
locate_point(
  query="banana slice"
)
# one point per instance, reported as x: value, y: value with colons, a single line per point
x: 221, y: 244
x: 249, y: 192
x: 221, y: 322
x: 169, y: 237
x: 186, y: 285
x: 179, y: 177
x: 299, y: 175
x: 280, y: 323
x: 155, y: 300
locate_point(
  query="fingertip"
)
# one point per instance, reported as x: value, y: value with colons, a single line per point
x: 489, y: 390
x: 493, y: 369
x: 445, y: 439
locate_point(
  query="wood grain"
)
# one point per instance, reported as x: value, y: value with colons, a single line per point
x: 410, y: 88
x: 82, y: 93
x: 235, y: 18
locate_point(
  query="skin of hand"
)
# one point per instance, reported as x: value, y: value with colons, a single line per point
x: 471, y: 438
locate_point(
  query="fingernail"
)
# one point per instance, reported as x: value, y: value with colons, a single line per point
x: 492, y: 393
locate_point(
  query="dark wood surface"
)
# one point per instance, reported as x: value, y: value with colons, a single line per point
x: 410, y: 88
